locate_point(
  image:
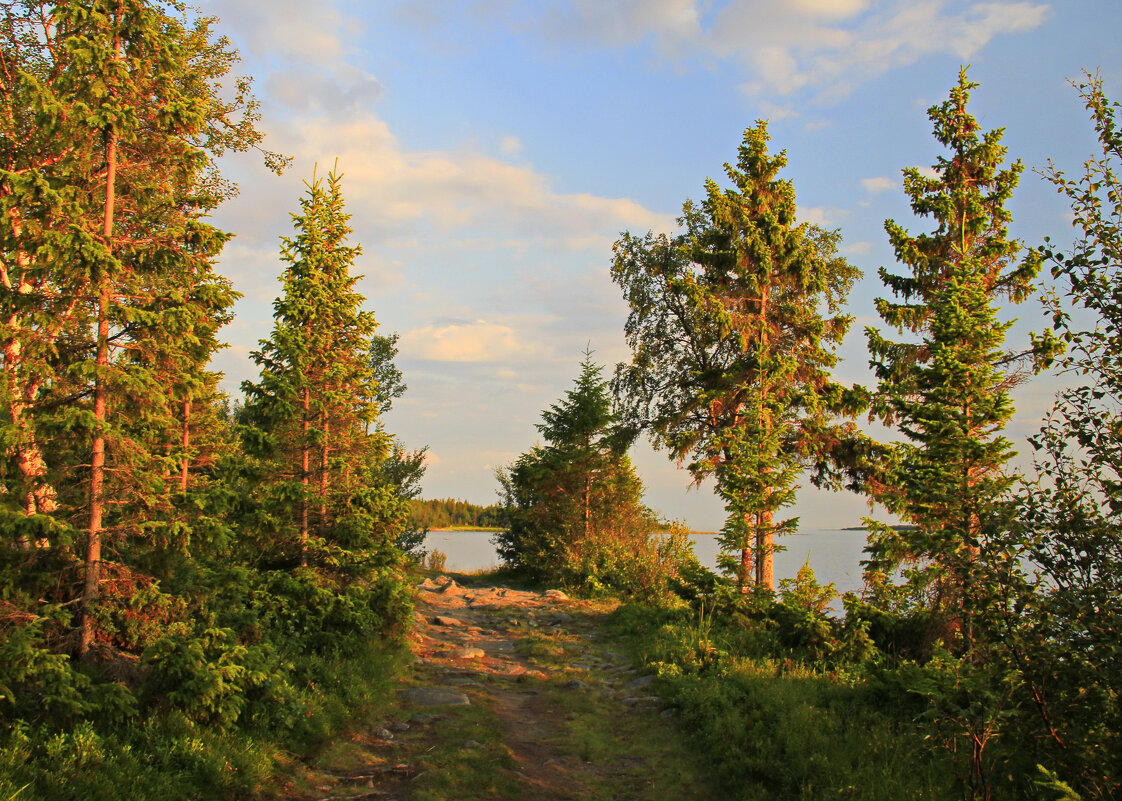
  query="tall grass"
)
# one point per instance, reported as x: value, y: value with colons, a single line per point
x: 778, y: 728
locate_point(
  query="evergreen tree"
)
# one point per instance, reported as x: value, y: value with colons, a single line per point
x: 948, y: 389
x: 113, y: 116
x: 731, y: 353
x: 317, y: 395
x: 573, y: 505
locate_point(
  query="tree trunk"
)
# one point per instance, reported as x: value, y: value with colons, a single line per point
x: 326, y: 427
x: 587, y: 501
x: 305, y: 465
x: 747, y: 574
x: 765, y: 544
x: 97, y: 461
x: 185, y: 441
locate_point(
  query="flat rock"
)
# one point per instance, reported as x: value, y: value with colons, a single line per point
x: 640, y: 683
x: 644, y: 699
x: 441, y: 620
x: 467, y: 653
x: 555, y: 595
x: 434, y: 696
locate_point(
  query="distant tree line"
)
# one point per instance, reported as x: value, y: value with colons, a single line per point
x: 451, y: 512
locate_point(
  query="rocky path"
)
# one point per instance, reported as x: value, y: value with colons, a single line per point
x: 513, y: 694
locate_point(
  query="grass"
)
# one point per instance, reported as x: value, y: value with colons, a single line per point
x: 775, y: 728
x: 466, y: 758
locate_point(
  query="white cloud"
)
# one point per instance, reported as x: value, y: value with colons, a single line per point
x: 827, y: 48
x: 788, y: 46
x: 672, y: 24
x: 857, y: 248
x: 879, y: 184
x: 821, y: 215
x: 394, y: 188
x: 477, y: 341
x: 510, y: 146
x: 306, y: 52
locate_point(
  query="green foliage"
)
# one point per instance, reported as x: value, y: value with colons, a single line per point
x: 454, y: 513
x: 731, y: 350
x: 947, y: 387
x: 573, y: 506
x: 1065, y: 636
x: 970, y: 706
x: 772, y: 726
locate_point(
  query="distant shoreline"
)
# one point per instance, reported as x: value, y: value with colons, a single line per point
x: 478, y: 529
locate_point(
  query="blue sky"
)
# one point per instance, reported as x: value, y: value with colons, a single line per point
x: 493, y: 150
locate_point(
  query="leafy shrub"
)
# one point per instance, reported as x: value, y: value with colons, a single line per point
x: 203, y: 675
x: 35, y: 682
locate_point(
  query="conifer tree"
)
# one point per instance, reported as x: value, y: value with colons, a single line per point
x: 947, y: 388
x: 731, y: 353
x: 318, y: 394
x: 113, y: 113
x: 577, y: 494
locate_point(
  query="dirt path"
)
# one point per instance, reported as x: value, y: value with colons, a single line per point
x: 517, y: 695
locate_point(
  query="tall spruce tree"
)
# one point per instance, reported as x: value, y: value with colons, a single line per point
x: 318, y: 391
x: 947, y: 389
x: 731, y: 351
x: 113, y: 114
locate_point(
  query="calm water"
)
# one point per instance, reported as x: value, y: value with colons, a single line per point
x: 834, y: 555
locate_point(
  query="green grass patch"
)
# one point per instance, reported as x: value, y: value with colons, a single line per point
x: 466, y: 758
x: 779, y: 728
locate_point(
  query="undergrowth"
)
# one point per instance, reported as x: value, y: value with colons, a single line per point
x: 771, y: 725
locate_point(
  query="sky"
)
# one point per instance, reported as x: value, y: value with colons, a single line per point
x: 493, y: 150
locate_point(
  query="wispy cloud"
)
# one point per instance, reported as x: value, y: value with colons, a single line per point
x: 823, y: 47
x: 879, y: 184
x: 475, y: 341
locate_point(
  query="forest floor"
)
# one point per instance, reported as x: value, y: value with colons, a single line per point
x: 513, y: 694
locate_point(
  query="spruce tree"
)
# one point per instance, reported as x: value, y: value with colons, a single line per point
x: 114, y: 112
x: 731, y: 351
x: 946, y: 387
x: 573, y: 504
x: 318, y: 394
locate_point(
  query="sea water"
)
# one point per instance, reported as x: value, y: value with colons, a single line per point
x: 834, y: 555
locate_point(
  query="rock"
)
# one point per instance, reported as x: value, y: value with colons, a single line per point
x: 641, y: 682
x: 554, y: 595
x: 434, y: 696
x: 399, y: 726
x: 472, y: 744
x: 440, y: 620
x: 641, y: 699
x: 383, y: 734
x: 452, y: 588
x: 669, y: 713
x: 532, y: 674
x: 425, y: 719
x: 576, y: 684
x: 467, y: 653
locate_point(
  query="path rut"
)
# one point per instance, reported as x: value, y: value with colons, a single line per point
x: 512, y: 665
